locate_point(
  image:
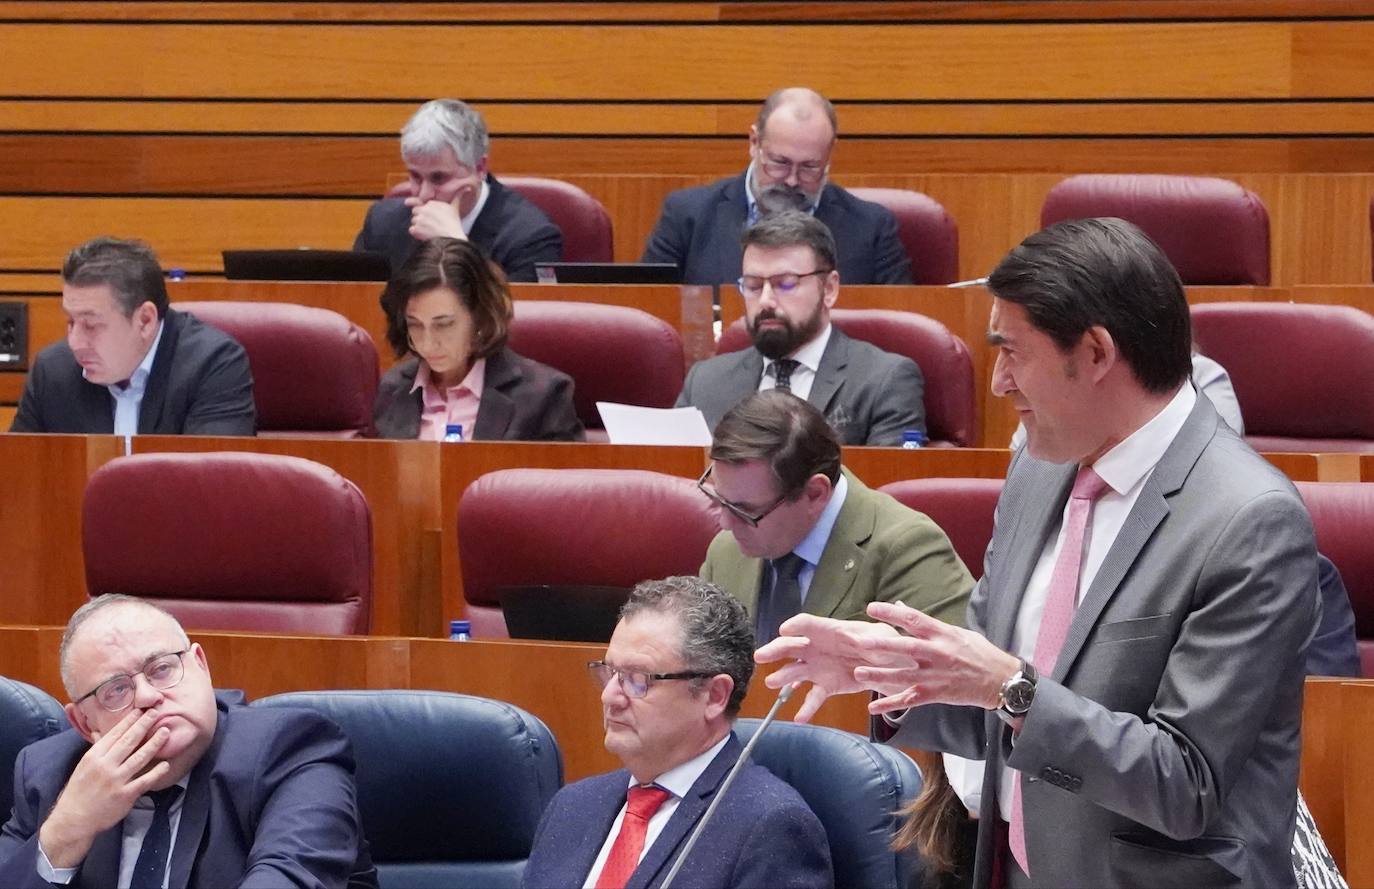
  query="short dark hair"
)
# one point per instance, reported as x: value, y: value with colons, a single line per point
x: 462, y: 268
x: 717, y: 635
x: 788, y: 432
x: 129, y: 267
x: 792, y: 228
x: 1086, y: 273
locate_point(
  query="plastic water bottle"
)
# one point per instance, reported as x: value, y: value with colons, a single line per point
x: 453, y: 432
x: 460, y: 631
x: 912, y: 439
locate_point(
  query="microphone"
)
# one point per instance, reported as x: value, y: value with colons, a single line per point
x: 740, y: 763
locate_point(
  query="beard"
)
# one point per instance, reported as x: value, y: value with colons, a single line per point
x: 781, y: 197
x: 779, y: 342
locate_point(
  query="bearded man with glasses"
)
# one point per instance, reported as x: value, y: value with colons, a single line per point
x: 790, y: 145
x: 789, y: 285
x: 672, y: 681
x: 164, y: 783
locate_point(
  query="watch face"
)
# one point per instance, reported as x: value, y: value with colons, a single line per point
x: 1017, y: 695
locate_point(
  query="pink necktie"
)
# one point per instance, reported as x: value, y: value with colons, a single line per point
x: 641, y: 805
x: 1058, y: 615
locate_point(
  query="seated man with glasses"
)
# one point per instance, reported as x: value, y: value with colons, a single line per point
x: 789, y: 285
x: 789, y: 149
x: 164, y: 784
x: 672, y: 682
x: 799, y: 533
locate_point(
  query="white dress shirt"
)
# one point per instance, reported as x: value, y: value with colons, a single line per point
x: 136, y: 826
x: 677, y: 781
x: 808, y: 359
x: 128, y: 399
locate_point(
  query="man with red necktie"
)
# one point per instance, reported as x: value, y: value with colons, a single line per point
x: 671, y: 684
x: 1133, y: 668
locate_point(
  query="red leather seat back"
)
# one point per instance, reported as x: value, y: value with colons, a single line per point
x: 963, y: 507
x: 950, y: 396
x: 929, y: 234
x: 584, y: 222
x: 232, y: 541
x: 314, y: 371
x: 1303, y: 374
x: 1343, y: 516
x: 606, y: 527
x: 613, y: 353
x: 1213, y: 230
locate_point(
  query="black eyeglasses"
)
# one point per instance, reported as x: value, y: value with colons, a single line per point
x: 735, y: 509
x: 783, y: 285
x: 162, y: 671
x: 634, y: 683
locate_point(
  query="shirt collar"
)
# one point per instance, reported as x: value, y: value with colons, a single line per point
x: 1128, y: 463
x: 138, y: 380
x: 679, y: 779
x: 474, y: 382
x: 813, y: 544
x: 469, y: 220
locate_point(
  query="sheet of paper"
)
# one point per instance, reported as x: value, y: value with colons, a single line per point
x: 630, y: 424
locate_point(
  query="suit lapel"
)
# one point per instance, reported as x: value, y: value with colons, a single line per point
x: 731, y: 217
x: 843, y: 557
x: 496, y: 409
x: 1034, y: 518
x: 487, y: 223
x: 1150, y: 510
x: 195, y: 810
x: 155, y: 393
x: 690, y: 808
x: 611, y: 795
x: 830, y: 376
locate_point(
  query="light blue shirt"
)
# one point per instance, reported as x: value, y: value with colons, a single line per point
x: 813, y: 544
x: 130, y: 398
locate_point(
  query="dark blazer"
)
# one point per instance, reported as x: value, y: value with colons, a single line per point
x: 272, y: 803
x: 699, y: 230
x: 762, y: 835
x: 510, y: 230
x: 200, y: 384
x: 869, y: 396
x: 1333, y: 651
x: 522, y: 400
x: 1163, y: 749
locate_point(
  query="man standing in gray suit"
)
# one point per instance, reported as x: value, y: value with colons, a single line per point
x: 790, y: 283
x: 1133, y: 670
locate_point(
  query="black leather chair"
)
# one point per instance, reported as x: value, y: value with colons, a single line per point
x: 451, y: 786
x: 855, y: 788
x: 27, y: 714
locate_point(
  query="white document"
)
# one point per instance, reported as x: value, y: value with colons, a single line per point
x: 630, y: 424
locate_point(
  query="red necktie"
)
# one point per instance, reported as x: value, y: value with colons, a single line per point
x: 643, y: 802
x: 1060, y: 605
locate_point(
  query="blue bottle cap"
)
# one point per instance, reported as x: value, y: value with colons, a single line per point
x: 459, y: 626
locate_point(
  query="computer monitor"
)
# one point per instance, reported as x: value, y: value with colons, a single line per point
x: 305, y: 265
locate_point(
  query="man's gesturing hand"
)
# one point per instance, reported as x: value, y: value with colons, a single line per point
x: 109, y: 779
x: 824, y: 652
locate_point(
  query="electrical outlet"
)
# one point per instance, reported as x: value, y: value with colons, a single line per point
x: 14, y: 336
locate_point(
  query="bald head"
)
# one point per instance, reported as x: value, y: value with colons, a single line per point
x: 790, y: 145
x: 799, y: 105
x: 105, y: 614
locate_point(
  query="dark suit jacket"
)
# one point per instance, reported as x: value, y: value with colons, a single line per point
x: 762, y: 835
x: 699, y: 230
x: 510, y: 230
x: 1163, y: 750
x: 272, y: 803
x: 869, y: 396
x: 200, y: 384
x: 1333, y: 651
x: 878, y: 551
x: 522, y: 400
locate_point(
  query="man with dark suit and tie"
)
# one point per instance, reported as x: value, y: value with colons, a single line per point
x: 789, y: 285
x: 163, y: 785
x: 1133, y: 668
x: 454, y: 195
x: 790, y: 145
x: 801, y: 533
x: 675, y: 673
x: 130, y: 364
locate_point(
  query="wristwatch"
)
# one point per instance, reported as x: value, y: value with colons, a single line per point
x: 1017, y: 692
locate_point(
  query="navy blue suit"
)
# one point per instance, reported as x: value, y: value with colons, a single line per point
x: 699, y: 230
x: 271, y: 803
x: 763, y: 834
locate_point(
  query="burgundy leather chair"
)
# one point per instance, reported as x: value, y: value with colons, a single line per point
x: 951, y: 409
x: 1343, y: 516
x: 314, y: 371
x: 962, y: 507
x: 1303, y: 374
x: 232, y: 541
x: 601, y: 527
x: 1213, y: 230
x: 584, y: 222
x: 613, y: 353
x: 928, y: 232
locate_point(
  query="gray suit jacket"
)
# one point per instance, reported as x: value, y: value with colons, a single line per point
x: 869, y: 396
x: 522, y: 400
x: 200, y: 384
x: 1163, y: 750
